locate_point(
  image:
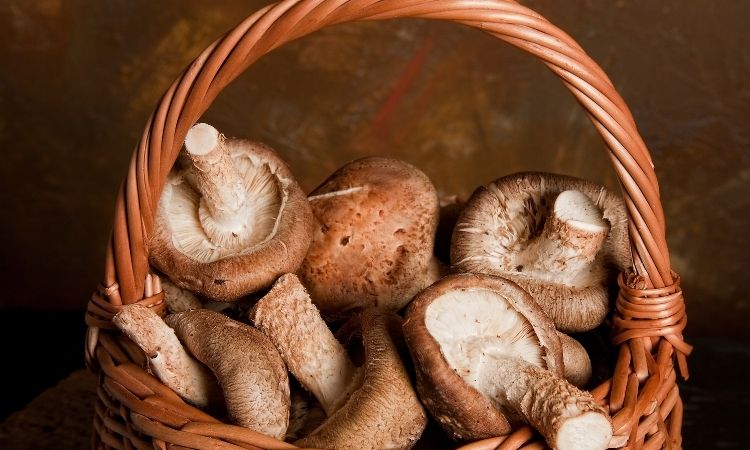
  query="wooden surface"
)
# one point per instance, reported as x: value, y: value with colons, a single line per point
x: 716, y: 402
x: 59, y: 418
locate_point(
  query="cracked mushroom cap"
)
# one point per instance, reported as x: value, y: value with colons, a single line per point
x: 232, y: 220
x: 373, y: 245
x: 561, y: 238
x: 384, y: 412
x: 250, y: 371
x: 455, y: 323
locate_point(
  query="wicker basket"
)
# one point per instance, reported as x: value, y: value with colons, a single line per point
x: 134, y: 410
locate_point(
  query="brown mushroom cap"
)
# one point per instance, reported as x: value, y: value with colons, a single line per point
x: 224, y: 254
x: 563, y: 249
x: 384, y: 413
x: 462, y: 409
x: 250, y: 371
x: 373, y: 246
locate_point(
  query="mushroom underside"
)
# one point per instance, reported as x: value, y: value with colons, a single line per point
x: 502, y: 219
x: 231, y: 218
x: 488, y: 336
x: 478, y: 325
x: 502, y: 238
x: 192, y: 225
x: 560, y: 238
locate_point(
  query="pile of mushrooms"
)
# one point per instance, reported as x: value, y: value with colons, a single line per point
x: 386, y: 305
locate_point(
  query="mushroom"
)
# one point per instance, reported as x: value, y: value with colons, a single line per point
x: 232, y: 221
x: 311, y: 352
x: 488, y: 359
x: 560, y: 238
x: 166, y: 357
x: 178, y: 299
x: 373, y: 245
x: 371, y: 407
x: 575, y: 360
x: 384, y: 412
x: 250, y: 371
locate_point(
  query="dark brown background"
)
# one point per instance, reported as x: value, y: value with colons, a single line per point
x: 78, y: 79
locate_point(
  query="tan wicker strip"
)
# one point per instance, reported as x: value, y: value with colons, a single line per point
x: 136, y: 411
x: 600, y: 392
x: 517, y: 439
x: 534, y: 446
x: 189, y: 440
x: 485, y: 444
x: 236, y: 434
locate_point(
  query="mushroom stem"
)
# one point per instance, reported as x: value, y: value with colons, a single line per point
x: 572, y: 236
x: 385, y: 412
x: 313, y: 355
x: 167, y: 359
x: 215, y: 176
x: 568, y: 418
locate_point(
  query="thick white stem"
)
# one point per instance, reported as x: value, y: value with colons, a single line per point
x: 572, y: 236
x: 568, y: 418
x: 215, y: 176
x: 313, y: 355
x: 167, y: 359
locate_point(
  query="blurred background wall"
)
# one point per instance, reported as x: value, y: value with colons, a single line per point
x: 79, y: 78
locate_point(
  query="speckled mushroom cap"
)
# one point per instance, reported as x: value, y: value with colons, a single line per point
x: 278, y: 222
x: 451, y: 325
x: 500, y: 228
x: 373, y: 245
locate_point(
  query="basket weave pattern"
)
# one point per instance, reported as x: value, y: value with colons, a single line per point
x: 135, y: 410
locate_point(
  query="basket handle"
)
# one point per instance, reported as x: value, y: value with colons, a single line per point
x: 196, y: 88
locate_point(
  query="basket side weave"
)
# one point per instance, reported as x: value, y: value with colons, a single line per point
x: 135, y: 410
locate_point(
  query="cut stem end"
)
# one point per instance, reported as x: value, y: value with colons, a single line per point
x: 214, y: 175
